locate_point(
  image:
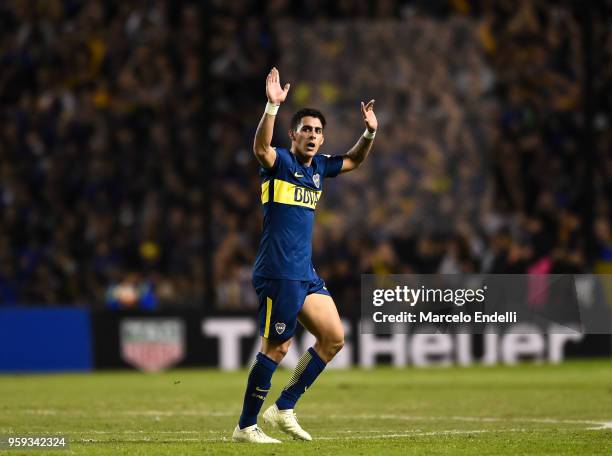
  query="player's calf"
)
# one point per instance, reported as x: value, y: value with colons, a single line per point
x: 328, y: 348
x: 258, y: 385
x: 308, y: 368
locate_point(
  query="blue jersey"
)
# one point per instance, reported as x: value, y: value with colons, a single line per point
x: 289, y: 195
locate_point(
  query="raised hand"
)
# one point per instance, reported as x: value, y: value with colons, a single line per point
x: 367, y: 111
x: 276, y: 95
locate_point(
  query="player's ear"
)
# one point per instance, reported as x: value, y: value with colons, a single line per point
x: 292, y: 134
x: 322, y: 140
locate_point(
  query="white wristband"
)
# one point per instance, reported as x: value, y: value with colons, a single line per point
x: 368, y: 135
x: 271, y: 109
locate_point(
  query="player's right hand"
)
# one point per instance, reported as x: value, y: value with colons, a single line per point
x: 276, y: 95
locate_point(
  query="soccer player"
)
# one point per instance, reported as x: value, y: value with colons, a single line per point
x: 284, y: 278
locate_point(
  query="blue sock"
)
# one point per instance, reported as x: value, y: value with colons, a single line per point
x: 306, y: 372
x: 258, y: 385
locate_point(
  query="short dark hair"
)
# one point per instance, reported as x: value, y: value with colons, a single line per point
x: 306, y: 112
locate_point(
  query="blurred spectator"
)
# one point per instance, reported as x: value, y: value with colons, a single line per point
x: 131, y: 293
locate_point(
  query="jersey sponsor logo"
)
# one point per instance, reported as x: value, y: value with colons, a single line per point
x: 317, y: 180
x: 295, y: 195
x: 280, y: 327
x: 306, y: 196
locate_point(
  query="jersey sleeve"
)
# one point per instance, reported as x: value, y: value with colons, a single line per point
x: 281, y: 162
x: 333, y: 165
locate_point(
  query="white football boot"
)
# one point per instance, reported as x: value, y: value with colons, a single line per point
x: 286, y: 421
x: 252, y: 434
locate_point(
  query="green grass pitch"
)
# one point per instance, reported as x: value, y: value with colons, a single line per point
x: 526, y: 409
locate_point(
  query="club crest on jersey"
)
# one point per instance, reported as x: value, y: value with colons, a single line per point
x: 317, y: 180
x: 280, y: 327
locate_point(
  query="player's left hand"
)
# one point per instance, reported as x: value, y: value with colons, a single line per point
x: 367, y: 111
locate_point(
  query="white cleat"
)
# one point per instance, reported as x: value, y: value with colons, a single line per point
x: 286, y: 421
x: 252, y: 434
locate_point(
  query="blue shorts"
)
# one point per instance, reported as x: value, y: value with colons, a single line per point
x: 280, y: 302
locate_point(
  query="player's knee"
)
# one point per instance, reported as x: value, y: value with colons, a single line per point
x: 282, y: 350
x: 277, y: 352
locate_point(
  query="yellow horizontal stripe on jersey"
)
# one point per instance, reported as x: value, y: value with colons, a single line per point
x: 265, y: 192
x: 288, y: 193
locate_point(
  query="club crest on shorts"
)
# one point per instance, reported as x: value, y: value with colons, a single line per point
x: 280, y: 327
x: 317, y: 180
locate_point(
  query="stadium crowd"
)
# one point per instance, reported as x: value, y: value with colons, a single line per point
x: 475, y: 169
x: 100, y: 183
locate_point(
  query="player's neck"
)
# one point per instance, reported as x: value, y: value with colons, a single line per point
x: 304, y: 160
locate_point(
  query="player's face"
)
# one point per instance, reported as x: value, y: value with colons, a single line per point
x: 308, y: 136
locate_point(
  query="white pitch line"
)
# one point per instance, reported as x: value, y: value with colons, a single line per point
x: 175, y: 413
x: 147, y: 439
x: 354, y: 437
x: 127, y: 431
x: 601, y: 426
x: 53, y: 412
x: 545, y: 420
x: 595, y: 424
x: 422, y: 434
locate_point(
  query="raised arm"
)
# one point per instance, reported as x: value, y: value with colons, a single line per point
x: 262, y: 147
x: 358, y: 153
